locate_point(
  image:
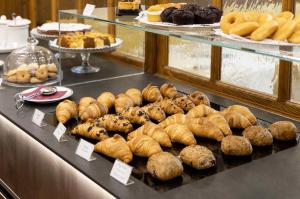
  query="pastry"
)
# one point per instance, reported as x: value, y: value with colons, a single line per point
x: 184, y: 103
x: 154, y: 131
x: 183, y: 17
x: 34, y: 80
x: 42, y: 72
x: 107, y: 99
x: 169, y: 107
x: 151, y: 93
x: 52, y: 68
x: 285, y: 31
x: 153, y: 13
x: 88, y: 130
x: 123, y: 102
x: 295, y: 37
x: 66, y: 110
x: 135, y: 95
x: 205, y: 16
x: 174, y: 119
x: 164, y: 166
x: 52, y: 75
x: 114, y: 123
x: 265, y: 31
x: 243, y: 29
x: 115, y: 147
x: 23, y: 76
x: 218, y: 13
x: 84, y: 102
x: 242, y: 110
x: 202, y: 127
x: 144, y: 146
x: 53, y: 28
x: 92, y: 111
x: 136, y: 115
x: 236, y: 146
x: 264, y: 18
x: 200, y: 111
x: 180, y: 133
x: 168, y: 91
x: 258, y: 136
x: 283, y: 130
x: 198, y: 157
x: 286, y: 14
x: 167, y: 15
x: 218, y: 120
x: 192, y: 7
x: 237, y: 120
x: 230, y: 20
x: 198, y: 98
x: 155, y: 112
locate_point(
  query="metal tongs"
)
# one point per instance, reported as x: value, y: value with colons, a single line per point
x: 20, y: 98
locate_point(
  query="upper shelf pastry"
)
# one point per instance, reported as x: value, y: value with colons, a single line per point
x: 53, y: 28
x: 258, y: 136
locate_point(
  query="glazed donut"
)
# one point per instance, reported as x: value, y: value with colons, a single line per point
x: 281, y: 21
x: 42, y: 72
x: 287, y: 15
x: 244, y: 29
x: 285, y: 31
x: 252, y: 16
x: 35, y: 80
x: 52, y: 68
x: 295, y: 37
x: 264, y: 18
x: 23, y: 76
x: 230, y: 20
x: 265, y: 31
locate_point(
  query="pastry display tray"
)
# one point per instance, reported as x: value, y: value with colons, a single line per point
x: 190, y: 175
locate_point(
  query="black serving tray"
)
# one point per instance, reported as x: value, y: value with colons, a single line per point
x: 190, y: 175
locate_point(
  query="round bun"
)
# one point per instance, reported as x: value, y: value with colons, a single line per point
x: 167, y: 15
x: 183, y: 17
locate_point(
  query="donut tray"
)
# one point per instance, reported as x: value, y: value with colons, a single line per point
x: 190, y: 175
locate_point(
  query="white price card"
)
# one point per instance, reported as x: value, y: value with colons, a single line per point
x: 38, y: 117
x: 60, y: 132
x: 85, y: 150
x: 121, y: 172
x: 88, y: 10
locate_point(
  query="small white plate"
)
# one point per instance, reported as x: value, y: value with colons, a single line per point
x: 69, y: 93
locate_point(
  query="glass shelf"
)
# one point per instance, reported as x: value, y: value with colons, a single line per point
x: 107, y: 15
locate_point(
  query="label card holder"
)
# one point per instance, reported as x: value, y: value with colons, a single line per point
x: 122, y: 172
x: 85, y: 150
x: 38, y: 117
x: 88, y: 10
x: 59, y: 133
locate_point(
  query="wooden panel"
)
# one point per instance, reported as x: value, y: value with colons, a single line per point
x: 32, y: 13
x: 54, y: 10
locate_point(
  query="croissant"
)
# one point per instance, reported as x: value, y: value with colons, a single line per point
x: 243, y: 111
x: 184, y: 102
x: 200, y: 111
x: 155, y: 112
x: 84, y: 102
x: 154, y: 131
x: 151, y: 93
x: 123, y: 102
x: 115, y: 147
x: 198, y: 98
x: 107, y: 99
x: 66, y: 110
x: 114, y: 123
x: 181, y: 134
x: 144, y: 146
x: 164, y: 166
x: 136, y: 115
x: 174, y: 119
x: 237, y: 120
x: 88, y: 130
x: 219, y: 120
x: 169, y: 107
x: 168, y: 91
x: 135, y: 95
x: 204, y: 128
x: 93, y: 111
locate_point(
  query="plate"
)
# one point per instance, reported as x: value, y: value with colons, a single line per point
x: 69, y: 93
x: 37, y: 35
x: 247, y: 40
x: 143, y: 19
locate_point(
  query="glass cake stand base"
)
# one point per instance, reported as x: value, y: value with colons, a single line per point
x: 85, y: 69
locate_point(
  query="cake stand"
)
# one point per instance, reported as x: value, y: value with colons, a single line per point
x: 85, y: 53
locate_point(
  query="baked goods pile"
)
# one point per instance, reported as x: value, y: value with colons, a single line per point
x: 147, y: 123
x: 32, y: 73
x: 129, y: 7
x: 53, y: 28
x: 183, y: 14
x: 86, y: 40
x: 260, y: 26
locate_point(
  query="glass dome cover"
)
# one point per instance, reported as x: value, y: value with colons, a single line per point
x: 31, y: 66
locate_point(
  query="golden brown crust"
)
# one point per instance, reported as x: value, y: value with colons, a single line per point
x: 198, y: 98
x: 169, y: 107
x: 88, y: 130
x: 236, y: 146
x: 180, y: 133
x: 66, y: 110
x: 237, y: 120
x: 123, y: 102
x: 151, y: 93
x: 168, y: 90
x: 200, y: 111
x: 114, y: 123
x: 144, y: 146
x: 174, y: 119
x: 184, y: 103
x: 243, y: 111
x: 155, y: 112
x: 283, y: 130
x: 136, y: 115
x: 136, y: 96
x: 258, y: 136
x: 219, y: 120
x: 107, y: 99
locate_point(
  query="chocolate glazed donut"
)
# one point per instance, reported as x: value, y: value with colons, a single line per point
x: 182, y: 17
x: 167, y: 15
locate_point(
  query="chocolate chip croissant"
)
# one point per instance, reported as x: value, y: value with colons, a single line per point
x: 115, y: 147
x: 184, y: 103
x: 88, y: 130
x: 198, y: 98
x: 144, y: 146
x: 155, y: 112
x: 114, y: 123
x: 154, y: 131
x: 136, y: 115
x: 66, y: 110
x: 169, y: 107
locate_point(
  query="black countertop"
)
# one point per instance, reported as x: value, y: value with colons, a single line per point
x: 275, y: 176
